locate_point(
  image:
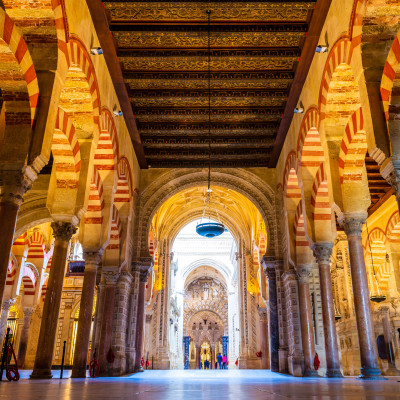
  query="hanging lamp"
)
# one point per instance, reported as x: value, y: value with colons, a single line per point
x: 337, y: 312
x: 376, y: 294
x: 209, y: 229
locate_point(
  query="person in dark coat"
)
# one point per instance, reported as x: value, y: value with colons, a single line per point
x: 219, y: 359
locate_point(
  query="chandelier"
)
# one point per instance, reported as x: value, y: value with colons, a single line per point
x: 209, y: 229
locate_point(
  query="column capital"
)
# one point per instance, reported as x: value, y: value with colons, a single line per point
x: 144, y: 266
x: 14, y: 184
x: 110, y: 276
x: 92, y: 259
x: 322, y: 251
x: 353, y: 222
x: 6, y: 304
x: 28, y: 312
x: 269, y: 265
x: 303, y: 272
x: 384, y: 310
x: 63, y: 230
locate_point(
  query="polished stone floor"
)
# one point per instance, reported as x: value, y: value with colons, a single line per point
x: 200, y: 385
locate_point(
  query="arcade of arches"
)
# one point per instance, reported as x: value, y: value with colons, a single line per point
x: 104, y: 153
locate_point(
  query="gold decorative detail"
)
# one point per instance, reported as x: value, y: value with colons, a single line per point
x: 215, y: 102
x: 160, y: 84
x: 198, y: 39
x: 201, y: 63
x: 196, y: 12
x: 204, y: 118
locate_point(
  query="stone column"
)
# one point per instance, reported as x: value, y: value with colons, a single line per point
x: 307, y: 334
x: 92, y: 261
x: 144, y: 268
x: 264, y: 345
x: 13, y: 186
x: 322, y: 253
x: 106, y: 311
x: 352, y: 224
x: 23, y: 343
x: 5, y: 308
x: 387, y: 331
x: 62, y: 232
x: 269, y: 265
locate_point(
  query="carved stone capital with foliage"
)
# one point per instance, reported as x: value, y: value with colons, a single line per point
x: 63, y: 230
x: 353, y: 222
x: 14, y: 184
x: 143, y: 266
x: 92, y: 259
x: 303, y: 272
x: 269, y: 265
x: 322, y: 252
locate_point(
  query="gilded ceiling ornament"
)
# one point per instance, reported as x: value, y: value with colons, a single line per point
x: 224, y: 11
x: 200, y: 63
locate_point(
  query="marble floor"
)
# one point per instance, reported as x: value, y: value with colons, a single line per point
x: 199, y: 385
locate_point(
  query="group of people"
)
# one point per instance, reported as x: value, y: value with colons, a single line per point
x: 221, y: 362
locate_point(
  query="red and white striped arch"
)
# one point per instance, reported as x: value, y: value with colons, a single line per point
x: 299, y: 230
x: 36, y: 250
x: 115, y: 231
x: 341, y: 53
x: 123, y: 193
x: 353, y: 149
x: 29, y: 279
x: 309, y: 149
x: 11, y: 272
x: 391, y: 68
x: 106, y: 154
x: 321, y: 209
x: 393, y: 228
x: 377, y: 241
x: 18, y: 72
x: 94, y: 214
x: 65, y: 148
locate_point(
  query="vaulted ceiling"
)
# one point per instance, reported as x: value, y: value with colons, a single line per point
x: 260, y: 55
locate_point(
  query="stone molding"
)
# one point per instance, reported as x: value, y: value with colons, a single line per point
x: 322, y: 252
x: 353, y: 222
x: 63, y: 230
x: 269, y: 265
x: 263, y: 314
x: 14, y: 184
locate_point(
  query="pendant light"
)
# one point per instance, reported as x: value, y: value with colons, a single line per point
x: 376, y: 294
x: 209, y: 229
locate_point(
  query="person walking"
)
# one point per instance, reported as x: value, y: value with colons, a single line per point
x: 224, y: 362
x: 219, y: 359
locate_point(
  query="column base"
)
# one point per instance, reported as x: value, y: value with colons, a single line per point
x: 138, y: 369
x: 311, y: 373
x: 78, y: 373
x: 334, y: 373
x: 41, y: 374
x: 371, y: 374
x: 391, y: 371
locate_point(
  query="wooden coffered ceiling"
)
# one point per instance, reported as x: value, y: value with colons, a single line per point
x: 158, y: 58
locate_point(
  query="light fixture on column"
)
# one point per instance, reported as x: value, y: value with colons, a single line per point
x: 376, y: 293
x: 209, y: 229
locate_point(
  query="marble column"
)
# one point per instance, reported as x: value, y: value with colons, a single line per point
x: 62, y: 232
x: 92, y: 261
x: 387, y: 331
x: 322, y: 253
x: 264, y: 345
x: 269, y: 265
x: 144, y: 269
x: 303, y: 272
x: 352, y: 224
x: 106, y: 311
x: 13, y: 186
x: 5, y: 308
x: 23, y: 342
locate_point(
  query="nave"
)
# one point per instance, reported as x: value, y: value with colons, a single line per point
x: 220, y: 384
